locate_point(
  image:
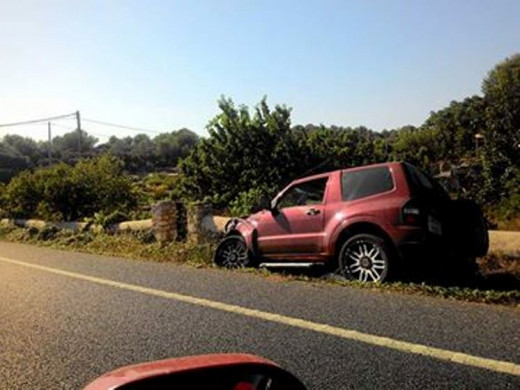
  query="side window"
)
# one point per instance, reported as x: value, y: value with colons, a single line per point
x: 418, y: 178
x: 302, y: 194
x: 365, y: 182
x: 421, y: 184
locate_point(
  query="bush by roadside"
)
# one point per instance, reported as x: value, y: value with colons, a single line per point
x: 500, y: 263
x: 70, y: 193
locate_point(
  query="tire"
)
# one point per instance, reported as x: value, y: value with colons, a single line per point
x: 365, y: 258
x: 470, y: 236
x: 465, y: 270
x: 232, y: 252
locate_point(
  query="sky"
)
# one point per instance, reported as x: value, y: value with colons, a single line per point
x: 163, y: 65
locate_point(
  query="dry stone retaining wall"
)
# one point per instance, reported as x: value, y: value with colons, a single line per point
x: 200, y: 224
x: 164, y: 222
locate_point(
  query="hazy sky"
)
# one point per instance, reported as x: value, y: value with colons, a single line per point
x: 163, y: 64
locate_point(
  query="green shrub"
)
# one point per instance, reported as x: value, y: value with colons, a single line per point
x: 157, y: 186
x: 30, y: 233
x: 145, y: 236
x: 112, y: 218
x: 248, y: 202
x: 48, y: 233
x: 66, y: 193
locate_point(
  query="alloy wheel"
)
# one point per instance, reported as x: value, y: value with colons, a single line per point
x: 232, y: 253
x: 365, y: 261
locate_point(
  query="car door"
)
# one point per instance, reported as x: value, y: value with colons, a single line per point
x: 295, y: 225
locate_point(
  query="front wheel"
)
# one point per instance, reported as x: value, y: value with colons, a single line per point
x: 232, y: 252
x: 364, y: 257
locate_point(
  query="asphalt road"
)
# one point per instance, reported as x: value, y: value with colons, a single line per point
x: 63, y: 330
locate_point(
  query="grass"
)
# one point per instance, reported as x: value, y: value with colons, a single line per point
x: 498, y: 282
x: 511, y: 224
x: 140, y: 246
x: 500, y: 263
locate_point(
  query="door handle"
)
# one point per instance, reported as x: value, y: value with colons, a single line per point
x: 312, y: 212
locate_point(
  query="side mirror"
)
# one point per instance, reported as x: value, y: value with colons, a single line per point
x: 219, y: 372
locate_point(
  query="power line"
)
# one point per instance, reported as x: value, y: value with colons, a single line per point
x: 37, y: 120
x: 85, y: 130
x: 64, y: 127
x: 122, y: 126
x: 74, y: 115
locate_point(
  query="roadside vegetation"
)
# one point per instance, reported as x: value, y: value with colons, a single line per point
x: 136, y: 245
x: 139, y: 154
x: 253, y: 153
x: 497, y: 283
x: 474, y: 144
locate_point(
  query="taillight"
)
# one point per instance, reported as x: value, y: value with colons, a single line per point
x: 411, y: 213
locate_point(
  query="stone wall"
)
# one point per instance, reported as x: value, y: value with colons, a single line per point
x: 164, y: 222
x: 171, y: 221
x: 127, y: 226
x: 200, y: 224
x: 182, y: 222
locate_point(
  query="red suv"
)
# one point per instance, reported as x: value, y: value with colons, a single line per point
x: 363, y: 221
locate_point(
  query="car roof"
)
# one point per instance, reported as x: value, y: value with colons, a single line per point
x: 360, y: 167
x: 385, y: 164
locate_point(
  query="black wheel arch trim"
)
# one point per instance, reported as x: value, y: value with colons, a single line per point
x: 231, y: 229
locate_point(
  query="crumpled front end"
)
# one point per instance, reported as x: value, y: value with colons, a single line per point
x: 244, y: 227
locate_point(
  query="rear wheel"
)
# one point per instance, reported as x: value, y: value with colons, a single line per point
x: 365, y: 257
x: 232, y: 252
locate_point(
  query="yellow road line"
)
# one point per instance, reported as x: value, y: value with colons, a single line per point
x: 386, y: 342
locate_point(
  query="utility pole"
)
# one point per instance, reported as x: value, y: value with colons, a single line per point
x: 49, y: 151
x: 78, y: 124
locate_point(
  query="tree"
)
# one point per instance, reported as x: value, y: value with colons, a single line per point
x: 502, y: 94
x: 72, y: 144
x: 416, y: 145
x: 456, y: 126
x: 243, y: 151
x: 173, y: 146
x: 142, y: 154
x: 11, y: 162
x: 501, y: 152
x: 337, y: 147
x: 24, y: 146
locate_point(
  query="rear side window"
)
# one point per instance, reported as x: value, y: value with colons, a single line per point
x: 423, y: 185
x: 365, y: 182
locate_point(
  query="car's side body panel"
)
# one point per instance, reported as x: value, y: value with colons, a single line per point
x: 296, y: 229
x: 291, y: 230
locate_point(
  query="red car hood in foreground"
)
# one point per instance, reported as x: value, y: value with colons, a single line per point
x: 128, y: 374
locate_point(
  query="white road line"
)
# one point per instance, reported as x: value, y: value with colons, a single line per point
x: 500, y: 366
